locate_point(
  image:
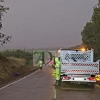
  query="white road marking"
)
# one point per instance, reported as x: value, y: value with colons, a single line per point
x: 54, y: 93
x: 18, y: 80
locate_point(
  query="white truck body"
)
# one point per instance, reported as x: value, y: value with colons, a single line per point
x: 78, y: 66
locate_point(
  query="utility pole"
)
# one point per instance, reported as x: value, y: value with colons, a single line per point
x: 33, y: 57
x: 24, y: 53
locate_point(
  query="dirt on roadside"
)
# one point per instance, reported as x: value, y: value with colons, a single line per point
x: 22, y: 74
x: 12, y: 69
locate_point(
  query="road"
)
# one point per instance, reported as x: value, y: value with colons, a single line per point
x: 39, y: 86
x: 78, y: 94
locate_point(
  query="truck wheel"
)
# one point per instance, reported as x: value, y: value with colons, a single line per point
x: 91, y: 85
x: 62, y: 83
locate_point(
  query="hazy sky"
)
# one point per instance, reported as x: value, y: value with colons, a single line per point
x: 46, y: 23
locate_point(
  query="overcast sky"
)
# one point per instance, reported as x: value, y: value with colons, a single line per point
x: 46, y: 23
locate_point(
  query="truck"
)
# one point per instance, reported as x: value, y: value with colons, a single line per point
x: 78, y: 66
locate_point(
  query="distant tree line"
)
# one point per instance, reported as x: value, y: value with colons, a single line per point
x: 91, y: 32
x: 19, y: 54
x: 28, y: 56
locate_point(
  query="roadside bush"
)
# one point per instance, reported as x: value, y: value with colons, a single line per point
x: 19, y: 54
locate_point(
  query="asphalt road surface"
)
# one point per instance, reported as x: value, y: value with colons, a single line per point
x: 78, y: 94
x: 39, y: 86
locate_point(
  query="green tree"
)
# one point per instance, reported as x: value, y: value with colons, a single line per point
x: 3, y: 38
x: 88, y: 35
x: 96, y: 21
x: 91, y: 32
